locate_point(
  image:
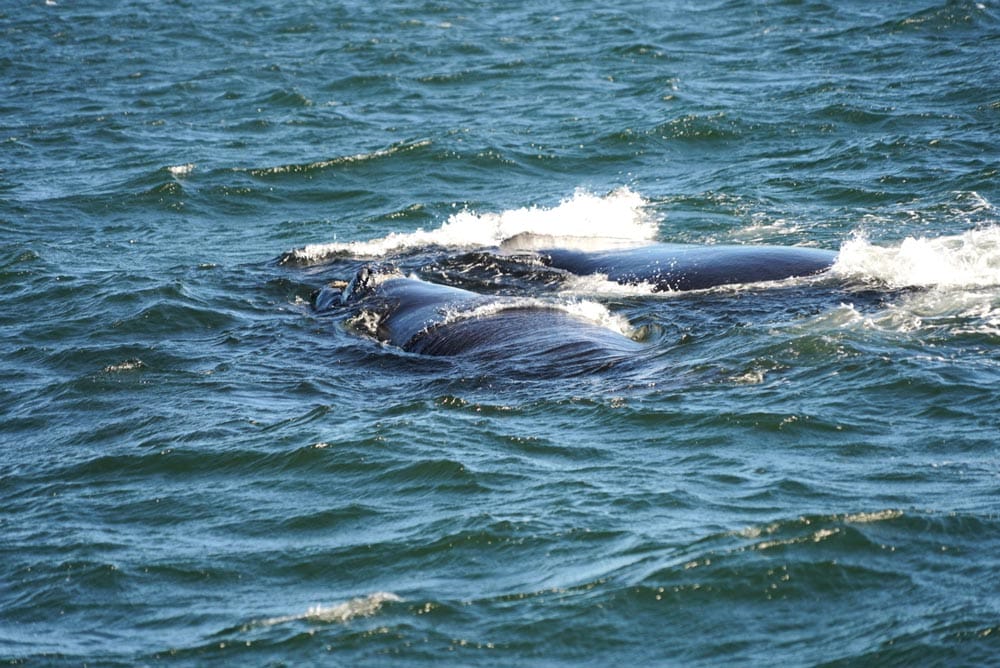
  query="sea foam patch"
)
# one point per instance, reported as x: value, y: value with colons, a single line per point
x: 957, y: 279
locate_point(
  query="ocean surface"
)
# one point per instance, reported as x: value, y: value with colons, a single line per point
x: 197, y: 468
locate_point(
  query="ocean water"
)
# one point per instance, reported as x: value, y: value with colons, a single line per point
x: 196, y: 468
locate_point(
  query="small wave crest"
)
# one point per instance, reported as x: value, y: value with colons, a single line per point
x: 363, y: 606
x: 620, y: 214
x: 339, y: 161
x: 131, y: 364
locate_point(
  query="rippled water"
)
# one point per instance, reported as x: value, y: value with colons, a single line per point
x: 197, y: 468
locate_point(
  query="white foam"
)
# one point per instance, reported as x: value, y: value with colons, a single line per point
x: 600, y: 284
x: 620, y: 215
x: 968, y: 260
x: 364, y: 606
x: 959, y: 276
x: 127, y: 365
x: 181, y: 170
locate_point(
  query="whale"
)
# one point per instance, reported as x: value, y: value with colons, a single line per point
x: 679, y: 267
x: 426, y: 318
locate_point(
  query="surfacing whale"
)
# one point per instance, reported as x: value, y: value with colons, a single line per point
x: 688, y: 267
x: 431, y: 319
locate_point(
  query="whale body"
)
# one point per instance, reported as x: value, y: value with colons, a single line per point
x: 689, y: 267
x: 431, y: 319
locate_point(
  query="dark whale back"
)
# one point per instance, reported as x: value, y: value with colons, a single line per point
x: 535, y: 332
x: 687, y: 267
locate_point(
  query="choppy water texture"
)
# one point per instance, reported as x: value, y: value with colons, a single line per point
x: 197, y: 468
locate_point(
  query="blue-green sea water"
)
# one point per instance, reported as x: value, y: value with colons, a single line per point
x: 196, y: 468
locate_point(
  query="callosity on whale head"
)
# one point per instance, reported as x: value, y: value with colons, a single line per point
x: 364, y: 282
x: 367, y: 279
